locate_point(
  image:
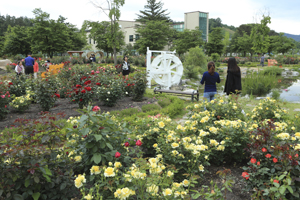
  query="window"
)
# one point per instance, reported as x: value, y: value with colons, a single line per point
x: 130, y: 38
x: 137, y: 36
x: 90, y: 41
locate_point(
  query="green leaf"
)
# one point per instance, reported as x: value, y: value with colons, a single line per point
x: 282, y: 189
x: 109, y: 146
x: 36, y: 195
x: 18, y: 197
x: 85, y: 131
x: 63, y: 185
x: 97, y: 158
x: 290, y: 189
x: 48, y: 172
x: 27, y: 182
x: 1, y: 191
x: 36, y: 179
x: 98, y: 137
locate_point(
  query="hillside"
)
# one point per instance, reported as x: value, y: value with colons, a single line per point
x: 295, y: 37
x: 231, y: 32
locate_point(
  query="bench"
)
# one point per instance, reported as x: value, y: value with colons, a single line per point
x: 194, y: 93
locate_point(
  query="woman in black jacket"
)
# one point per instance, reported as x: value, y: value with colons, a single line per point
x: 125, y: 67
x: 233, y: 83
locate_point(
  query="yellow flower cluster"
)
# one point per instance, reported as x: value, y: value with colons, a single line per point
x: 297, y: 135
x: 283, y: 136
x: 109, y: 172
x: 73, y: 120
x: 280, y: 126
x: 88, y: 197
x: 79, y: 181
x: 153, y: 190
x: 134, y: 173
x: 124, y: 193
x: 21, y: 102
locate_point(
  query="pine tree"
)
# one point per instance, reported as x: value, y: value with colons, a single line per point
x: 153, y: 12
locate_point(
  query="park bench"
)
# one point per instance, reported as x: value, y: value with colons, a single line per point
x: 194, y: 93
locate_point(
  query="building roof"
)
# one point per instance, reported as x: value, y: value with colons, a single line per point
x: 197, y: 11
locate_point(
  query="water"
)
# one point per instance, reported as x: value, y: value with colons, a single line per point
x: 292, y: 93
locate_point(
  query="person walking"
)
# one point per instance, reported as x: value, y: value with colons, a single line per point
x: 233, y: 84
x: 262, y: 60
x: 35, y: 68
x: 210, y: 78
x: 19, y: 68
x: 125, y: 67
x: 29, y: 62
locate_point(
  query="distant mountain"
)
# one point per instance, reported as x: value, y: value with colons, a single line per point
x: 295, y: 37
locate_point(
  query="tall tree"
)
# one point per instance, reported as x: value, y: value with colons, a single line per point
x: 283, y: 44
x: 52, y: 36
x: 215, y: 43
x: 259, y: 35
x: 101, y: 33
x: 114, y: 14
x: 16, y: 41
x: 214, y: 23
x: 153, y: 11
x: 187, y: 39
x: 245, y: 44
x: 226, y: 43
x: 153, y: 34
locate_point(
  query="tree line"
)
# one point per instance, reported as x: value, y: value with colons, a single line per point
x: 38, y: 35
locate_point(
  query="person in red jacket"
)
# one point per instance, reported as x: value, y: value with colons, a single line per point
x: 35, y: 68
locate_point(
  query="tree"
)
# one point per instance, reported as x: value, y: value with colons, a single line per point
x: 187, y: 39
x: 153, y: 12
x: 215, y: 43
x: 214, y: 23
x: 195, y: 60
x: 16, y: 41
x: 114, y: 15
x: 226, y: 43
x: 78, y: 39
x: 153, y: 34
x: 283, y: 44
x: 53, y: 36
x: 260, y: 37
x: 245, y: 44
x: 101, y: 33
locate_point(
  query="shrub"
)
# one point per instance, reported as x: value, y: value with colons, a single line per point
x: 17, y: 86
x: 110, y: 91
x: 45, y: 93
x: 196, y: 57
x: 82, y: 94
x: 4, y: 100
x: 30, y: 167
x: 149, y: 107
x: 98, y: 137
x: 163, y: 101
x: 274, y: 70
x: 215, y: 57
x: 21, y: 103
x: 140, y: 84
x: 273, y: 152
x: 191, y: 71
x: 125, y: 112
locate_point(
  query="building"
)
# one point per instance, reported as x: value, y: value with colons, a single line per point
x: 191, y: 21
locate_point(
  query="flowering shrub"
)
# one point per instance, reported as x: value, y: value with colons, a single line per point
x: 21, y: 103
x: 83, y: 94
x: 268, y: 109
x: 28, y: 161
x: 139, y: 86
x: 45, y: 92
x: 219, y: 108
x: 98, y: 137
x: 4, y: 100
x: 272, y: 153
x: 17, y: 86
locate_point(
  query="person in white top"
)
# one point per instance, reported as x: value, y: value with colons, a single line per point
x: 125, y: 67
x: 19, y: 68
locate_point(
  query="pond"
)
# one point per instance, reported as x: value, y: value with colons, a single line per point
x: 288, y: 87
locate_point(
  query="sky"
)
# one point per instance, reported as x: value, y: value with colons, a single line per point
x: 284, y: 14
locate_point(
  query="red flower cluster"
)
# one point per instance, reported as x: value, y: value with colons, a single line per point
x: 245, y: 175
x: 57, y: 95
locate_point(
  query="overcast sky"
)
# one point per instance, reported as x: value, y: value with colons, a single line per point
x: 285, y: 15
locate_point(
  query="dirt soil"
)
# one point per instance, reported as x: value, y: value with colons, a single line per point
x: 70, y: 109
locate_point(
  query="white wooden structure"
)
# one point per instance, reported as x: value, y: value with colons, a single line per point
x: 166, y: 68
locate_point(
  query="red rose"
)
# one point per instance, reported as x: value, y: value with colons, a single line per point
x: 276, y: 181
x: 78, y: 86
x: 82, y: 91
x: 10, y: 83
x: 138, y: 143
x: 264, y: 150
x: 258, y: 163
x: 245, y: 175
x: 117, y: 155
x: 57, y: 95
x: 92, y: 73
x: 88, y: 88
x: 87, y: 82
x: 101, y: 128
x: 275, y: 160
x: 98, y: 84
x: 268, y: 155
x: 80, y: 99
x: 132, y: 84
x: 126, y: 144
x: 253, y: 160
x: 128, y: 84
x: 96, y: 108
x: 296, y: 155
x: 76, y: 91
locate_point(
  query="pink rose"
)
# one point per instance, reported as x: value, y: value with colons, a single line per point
x: 97, y: 72
x: 96, y: 108
x: 3, y: 96
x: 138, y: 143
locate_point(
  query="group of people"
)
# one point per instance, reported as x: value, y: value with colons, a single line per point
x: 31, y: 66
x: 233, y: 85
